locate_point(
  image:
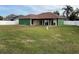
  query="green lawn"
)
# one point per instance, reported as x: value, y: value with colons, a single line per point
x: 25, y: 39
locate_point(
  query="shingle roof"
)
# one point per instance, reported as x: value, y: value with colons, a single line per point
x: 47, y: 15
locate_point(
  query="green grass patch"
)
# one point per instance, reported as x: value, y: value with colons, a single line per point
x: 36, y: 39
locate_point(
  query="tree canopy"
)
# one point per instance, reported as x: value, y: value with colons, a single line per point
x: 56, y: 12
x: 1, y: 17
x: 67, y: 11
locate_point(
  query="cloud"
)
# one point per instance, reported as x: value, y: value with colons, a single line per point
x: 43, y: 8
x: 29, y: 9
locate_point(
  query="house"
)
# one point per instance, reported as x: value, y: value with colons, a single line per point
x: 12, y: 17
x: 47, y: 18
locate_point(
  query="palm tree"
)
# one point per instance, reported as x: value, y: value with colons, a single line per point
x: 67, y: 11
x: 73, y: 16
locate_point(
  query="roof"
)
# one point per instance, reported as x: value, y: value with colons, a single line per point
x: 47, y: 15
x: 28, y: 16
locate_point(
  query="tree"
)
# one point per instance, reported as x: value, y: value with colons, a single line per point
x: 56, y: 12
x: 1, y: 17
x: 67, y: 11
x: 77, y: 12
x: 73, y: 16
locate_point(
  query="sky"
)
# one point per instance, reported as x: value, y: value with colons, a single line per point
x: 30, y: 9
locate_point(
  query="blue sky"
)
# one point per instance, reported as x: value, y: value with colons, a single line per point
x: 29, y: 9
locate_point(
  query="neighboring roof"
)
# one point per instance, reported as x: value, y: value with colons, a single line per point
x: 11, y: 16
x: 28, y: 16
x: 47, y: 15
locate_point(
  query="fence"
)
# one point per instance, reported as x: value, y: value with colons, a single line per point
x: 71, y: 23
x: 16, y: 22
x: 9, y: 22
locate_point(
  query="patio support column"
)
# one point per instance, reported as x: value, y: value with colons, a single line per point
x: 42, y: 22
x: 57, y: 21
x: 48, y: 22
x: 30, y: 21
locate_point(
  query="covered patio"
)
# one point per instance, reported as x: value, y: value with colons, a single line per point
x: 43, y: 22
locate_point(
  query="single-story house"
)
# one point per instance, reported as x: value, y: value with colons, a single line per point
x: 47, y: 18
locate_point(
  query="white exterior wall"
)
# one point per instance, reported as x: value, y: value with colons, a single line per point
x: 71, y: 23
x: 55, y: 21
x: 35, y: 22
x: 15, y: 22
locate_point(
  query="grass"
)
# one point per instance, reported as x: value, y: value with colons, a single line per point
x: 25, y: 39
